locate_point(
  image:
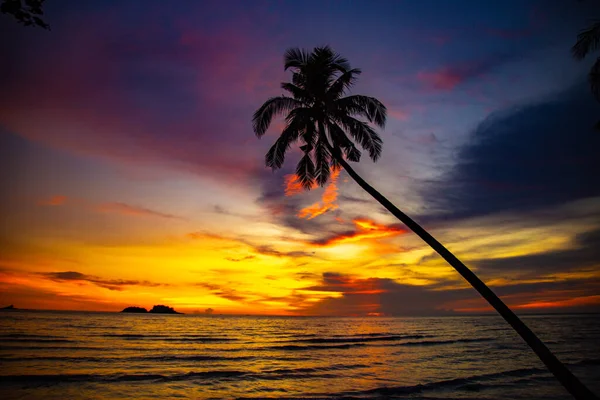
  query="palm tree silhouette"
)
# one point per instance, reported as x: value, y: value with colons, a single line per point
x: 588, y: 40
x: 320, y: 117
x: 26, y: 12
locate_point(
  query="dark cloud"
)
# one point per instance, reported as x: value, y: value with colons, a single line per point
x: 583, y: 255
x: 305, y: 275
x: 239, y: 259
x: 539, y: 155
x: 380, y: 295
x: 270, y: 251
x: 375, y: 295
x: 111, y: 284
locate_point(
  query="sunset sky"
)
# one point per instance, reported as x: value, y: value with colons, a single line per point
x: 130, y: 175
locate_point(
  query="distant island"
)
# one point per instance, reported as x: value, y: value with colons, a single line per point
x: 135, y: 310
x: 11, y: 307
x: 159, y: 309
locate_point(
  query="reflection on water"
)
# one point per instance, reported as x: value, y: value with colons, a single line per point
x: 106, y: 355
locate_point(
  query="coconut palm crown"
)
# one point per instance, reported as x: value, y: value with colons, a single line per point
x: 320, y: 115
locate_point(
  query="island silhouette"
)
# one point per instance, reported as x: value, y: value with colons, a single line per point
x: 158, y: 309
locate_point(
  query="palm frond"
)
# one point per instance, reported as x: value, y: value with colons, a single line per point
x: 322, y: 157
x: 298, y: 92
x: 305, y: 171
x: 335, y: 60
x: 340, y: 140
x: 295, y: 58
x: 335, y: 164
x: 365, y: 106
x: 310, y: 136
x: 363, y: 134
x: 276, y: 155
x: 275, y: 105
x: 344, y: 82
x: 587, y: 41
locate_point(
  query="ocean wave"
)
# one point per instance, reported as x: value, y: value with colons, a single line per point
x: 37, y: 340
x: 70, y: 348
x: 157, y: 358
x: 65, y: 378
x: 354, y: 339
x: 588, y: 361
x: 27, y: 336
x: 168, y: 338
x: 275, y: 374
x: 314, y: 347
x: 294, y: 371
x: 439, y: 342
x: 468, y: 383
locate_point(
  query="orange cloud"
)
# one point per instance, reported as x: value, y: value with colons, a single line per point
x: 293, y: 185
x: 577, y: 301
x: 366, y: 230
x: 544, y: 300
x: 327, y: 202
x: 57, y: 200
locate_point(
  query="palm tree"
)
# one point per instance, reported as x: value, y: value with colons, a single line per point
x: 26, y: 12
x: 328, y: 125
x: 588, y: 41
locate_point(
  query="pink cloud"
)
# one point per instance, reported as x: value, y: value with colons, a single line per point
x: 401, y: 115
x: 56, y: 200
x: 444, y: 79
x: 448, y: 77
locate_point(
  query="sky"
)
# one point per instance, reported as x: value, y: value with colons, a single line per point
x: 130, y: 174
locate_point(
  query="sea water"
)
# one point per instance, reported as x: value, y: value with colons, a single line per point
x: 78, y: 355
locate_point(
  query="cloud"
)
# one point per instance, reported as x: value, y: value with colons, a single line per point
x: 56, y: 200
x: 110, y: 284
x: 328, y: 199
x: 583, y: 254
x: 401, y: 115
x: 240, y: 259
x: 364, y: 230
x: 522, y: 159
x: 571, y: 295
x: 225, y: 292
x: 108, y: 208
x: 243, y: 243
x: 356, y: 296
x: 127, y: 209
x: 283, y: 198
x: 448, y: 77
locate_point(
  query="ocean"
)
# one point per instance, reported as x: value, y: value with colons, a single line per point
x: 79, y: 355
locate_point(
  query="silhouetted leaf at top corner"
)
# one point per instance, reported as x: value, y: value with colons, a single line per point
x: 26, y: 12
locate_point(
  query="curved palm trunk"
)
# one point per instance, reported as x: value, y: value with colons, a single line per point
x: 560, y: 371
